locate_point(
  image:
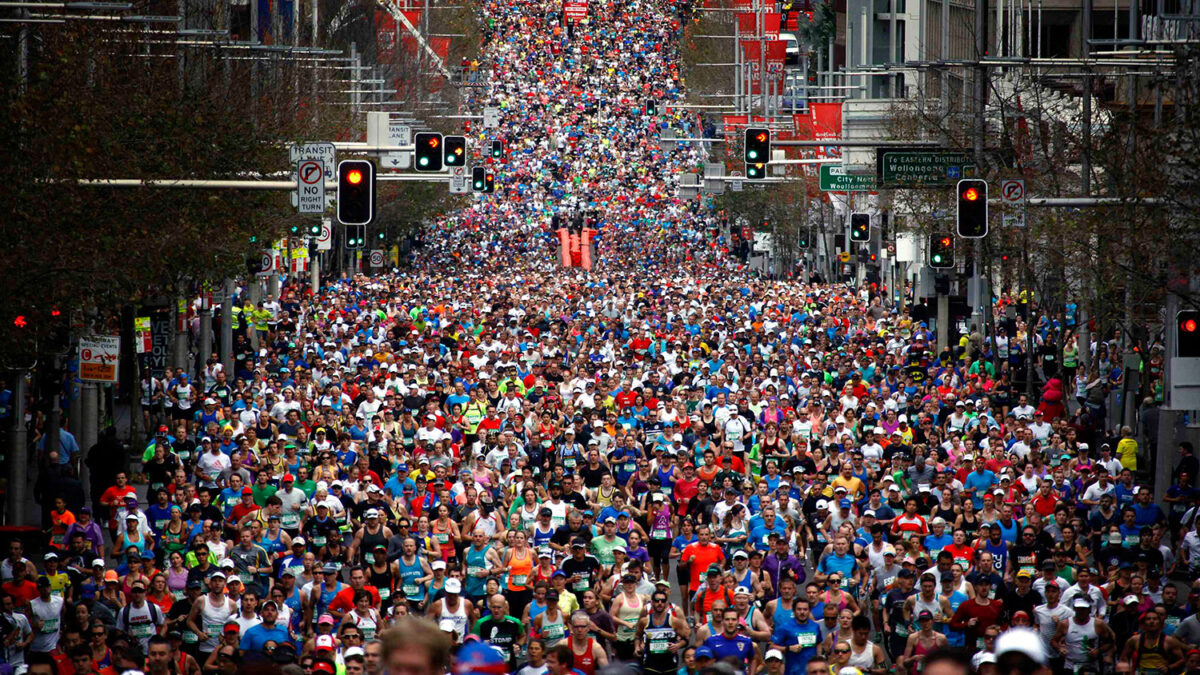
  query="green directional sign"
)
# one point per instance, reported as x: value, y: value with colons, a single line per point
x: 838, y: 179
x: 922, y: 167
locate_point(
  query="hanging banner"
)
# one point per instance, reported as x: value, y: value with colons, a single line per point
x: 776, y: 55
x: 385, y: 35
x: 827, y: 124
x: 747, y: 23
x: 752, y: 57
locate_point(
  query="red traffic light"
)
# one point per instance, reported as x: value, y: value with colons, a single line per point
x: 434, y: 142
x: 20, y: 321
x: 1188, y: 326
x: 354, y: 177
x: 971, y: 194
x: 491, y: 177
x: 946, y: 241
x: 761, y: 138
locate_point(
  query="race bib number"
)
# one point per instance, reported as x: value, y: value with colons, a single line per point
x: 319, y: 541
x: 660, y: 646
x: 569, y: 462
x: 630, y: 467
x: 806, y: 640
x: 410, y: 590
x: 290, y: 521
x: 519, y: 579
x: 50, y: 625
x: 659, y: 533
x: 385, y: 593
x: 441, y: 537
x: 474, y: 570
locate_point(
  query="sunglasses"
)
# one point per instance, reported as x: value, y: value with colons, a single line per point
x: 841, y: 651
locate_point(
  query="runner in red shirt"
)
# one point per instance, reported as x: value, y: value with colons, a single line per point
x: 699, y: 554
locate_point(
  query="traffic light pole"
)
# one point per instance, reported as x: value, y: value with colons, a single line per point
x: 18, y: 462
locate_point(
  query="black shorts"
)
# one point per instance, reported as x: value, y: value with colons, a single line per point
x: 177, y: 414
x: 659, y: 549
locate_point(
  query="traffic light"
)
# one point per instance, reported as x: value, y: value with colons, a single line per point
x: 477, y: 179
x: 941, y: 251
x: 651, y: 108
x: 972, y: 208
x: 756, y: 171
x: 758, y: 146
x: 497, y: 149
x: 355, y: 192
x: 381, y: 236
x: 429, y: 151
x: 356, y: 236
x: 455, y: 150
x: 314, y: 229
x: 804, y: 241
x: 294, y: 229
x: 860, y: 227
x: 489, y: 183
x: 1187, y: 333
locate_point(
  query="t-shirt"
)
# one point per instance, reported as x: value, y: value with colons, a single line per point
x: 700, y: 557
x: 739, y: 646
x: 501, y: 633
x: 791, y: 633
x: 259, y: 635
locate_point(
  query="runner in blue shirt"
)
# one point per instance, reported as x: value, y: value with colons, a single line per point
x: 731, y: 643
x: 797, y: 639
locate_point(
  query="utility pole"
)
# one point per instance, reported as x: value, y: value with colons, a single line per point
x: 18, y: 462
x: 206, y: 316
x: 227, y: 328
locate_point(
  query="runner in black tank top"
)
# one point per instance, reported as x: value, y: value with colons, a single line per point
x: 382, y: 579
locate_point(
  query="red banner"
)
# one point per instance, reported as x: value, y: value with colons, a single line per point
x: 752, y: 57
x: 748, y: 25
x: 574, y: 10
x: 441, y: 47
x: 776, y: 55
x: 746, y: 5
x: 826, y: 124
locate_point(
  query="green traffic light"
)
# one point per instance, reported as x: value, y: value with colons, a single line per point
x: 937, y: 258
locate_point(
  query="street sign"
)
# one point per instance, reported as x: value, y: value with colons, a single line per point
x: 266, y: 263
x: 325, y: 241
x: 574, y: 10
x: 398, y: 133
x: 1012, y: 191
x: 491, y: 117
x: 459, y: 184
x: 844, y: 256
x: 714, y: 174
x: 98, y: 356
x: 322, y: 152
x: 922, y: 167
x: 310, y: 186
x: 377, y: 258
x: 737, y: 184
x: 838, y: 179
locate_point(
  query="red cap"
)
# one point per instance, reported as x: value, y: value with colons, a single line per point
x: 323, y: 667
x: 247, y: 491
x: 163, y: 429
x: 288, y: 478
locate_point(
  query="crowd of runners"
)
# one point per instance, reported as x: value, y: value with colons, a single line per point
x: 666, y: 463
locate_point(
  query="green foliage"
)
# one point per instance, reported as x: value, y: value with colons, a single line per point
x: 100, y: 104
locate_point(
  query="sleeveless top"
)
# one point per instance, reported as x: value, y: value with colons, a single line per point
x: 458, y: 616
x: 553, y: 630
x: 213, y: 621
x: 1150, y: 660
x: 661, y: 528
x: 476, y: 560
x: 383, y: 582
x: 368, y: 624
x: 519, y: 570
x: 1079, y: 640
x: 864, y: 660
x: 631, y: 613
x: 409, y: 574
x: 586, y: 662
x: 659, y: 638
